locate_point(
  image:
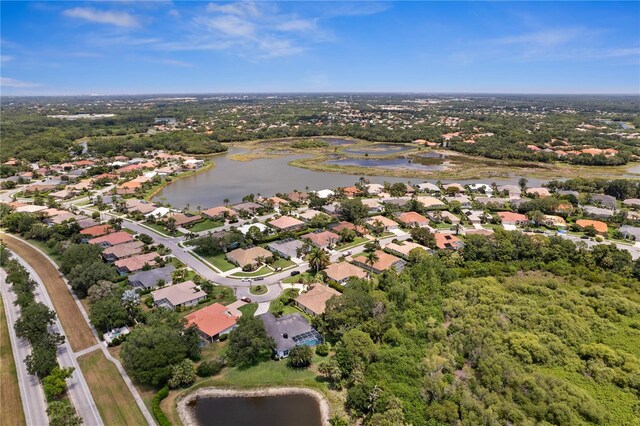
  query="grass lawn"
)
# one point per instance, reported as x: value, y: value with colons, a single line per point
x: 220, y: 261
x: 220, y: 294
x: 163, y: 229
x: 177, y: 263
x: 45, y: 248
x: 262, y: 271
x: 297, y: 278
x: 115, y: 403
x: 249, y: 309
x: 10, y: 401
x: 283, y: 263
x: 206, y: 225
x: 75, y: 327
x: 258, y: 289
x: 356, y: 242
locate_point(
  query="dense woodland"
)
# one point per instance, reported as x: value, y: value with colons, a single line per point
x: 516, y: 122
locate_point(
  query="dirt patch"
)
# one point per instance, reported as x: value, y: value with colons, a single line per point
x: 188, y: 419
x: 75, y: 327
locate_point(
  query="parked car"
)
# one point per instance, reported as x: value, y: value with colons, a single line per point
x: 294, y: 273
x: 245, y: 299
x: 258, y: 278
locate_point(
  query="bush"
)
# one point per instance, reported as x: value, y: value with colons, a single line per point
x: 210, y: 368
x: 223, y: 337
x: 300, y: 356
x: 158, y: 414
x: 322, y: 349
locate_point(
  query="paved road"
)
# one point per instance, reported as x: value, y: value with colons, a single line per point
x: 78, y: 389
x: 33, y: 401
x: 134, y: 392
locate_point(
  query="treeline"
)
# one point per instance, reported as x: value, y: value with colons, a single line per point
x: 621, y: 189
x: 33, y: 325
x: 186, y: 141
x: 513, y: 329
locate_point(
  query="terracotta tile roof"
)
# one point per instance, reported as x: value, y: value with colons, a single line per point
x: 212, y: 320
x: 315, y: 300
x: 343, y: 270
x: 386, y: 222
x: 447, y: 241
x: 348, y: 225
x: 599, y: 226
x: 285, y: 222
x: 385, y: 260
x: 409, y: 218
x: 97, y: 231
x: 322, y: 239
x: 116, y: 238
x: 511, y: 217
x: 218, y: 211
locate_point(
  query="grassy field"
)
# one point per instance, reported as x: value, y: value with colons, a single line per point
x: 10, y: 401
x: 205, y: 225
x: 220, y: 262
x: 162, y: 229
x: 75, y: 327
x: 248, y: 309
x: 115, y: 403
x: 259, y: 272
x: 283, y: 263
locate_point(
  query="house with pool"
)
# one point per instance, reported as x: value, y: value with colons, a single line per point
x: 290, y: 331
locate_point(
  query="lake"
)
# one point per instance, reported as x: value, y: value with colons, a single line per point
x: 234, y: 179
x: 393, y: 163
x: 273, y: 410
x: 379, y: 149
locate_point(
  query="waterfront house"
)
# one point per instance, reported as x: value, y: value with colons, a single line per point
x: 289, y: 331
x: 219, y: 212
x: 212, y: 321
x: 604, y: 200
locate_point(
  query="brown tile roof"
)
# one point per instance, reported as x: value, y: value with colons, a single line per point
x: 322, y: 239
x: 285, y: 222
x: 343, y: 270
x: 116, y: 238
x: 122, y: 251
x: 599, y: 226
x: 244, y: 257
x: 386, y: 222
x: 135, y: 263
x: 212, y: 320
x: 409, y: 218
x: 511, y: 217
x: 97, y: 231
x: 315, y: 300
x: 447, y: 241
x: 218, y: 211
x: 385, y: 260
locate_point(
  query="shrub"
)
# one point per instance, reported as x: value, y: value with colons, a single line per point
x: 158, y: 414
x: 323, y: 349
x: 210, y: 368
x: 300, y: 356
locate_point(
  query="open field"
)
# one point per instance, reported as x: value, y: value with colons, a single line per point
x: 10, y: 401
x: 75, y: 327
x: 115, y: 403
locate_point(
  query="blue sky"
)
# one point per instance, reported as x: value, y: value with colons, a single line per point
x: 212, y: 47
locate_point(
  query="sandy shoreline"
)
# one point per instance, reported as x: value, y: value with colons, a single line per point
x: 187, y: 416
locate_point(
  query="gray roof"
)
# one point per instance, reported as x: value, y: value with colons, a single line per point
x: 150, y: 278
x: 630, y: 230
x: 291, y: 325
x: 597, y: 211
x: 289, y: 246
x: 246, y: 206
x: 605, y: 200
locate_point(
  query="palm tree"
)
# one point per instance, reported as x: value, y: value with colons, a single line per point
x: 371, y: 257
x: 226, y: 202
x: 318, y: 259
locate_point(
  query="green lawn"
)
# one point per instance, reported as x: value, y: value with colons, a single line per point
x: 206, y: 225
x: 162, y: 229
x: 296, y: 278
x: 249, y: 309
x: 262, y: 271
x: 358, y: 241
x: 258, y: 289
x: 220, y: 261
x: 283, y: 263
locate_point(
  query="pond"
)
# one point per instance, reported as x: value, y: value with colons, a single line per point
x: 234, y: 179
x: 379, y: 149
x: 417, y: 163
x: 272, y: 410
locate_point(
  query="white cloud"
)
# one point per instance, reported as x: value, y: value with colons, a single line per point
x: 5, y: 58
x: 120, y: 19
x: 230, y: 25
x: 240, y: 9
x: 176, y: 63
x: 12, y: 82
x: 297, y: 25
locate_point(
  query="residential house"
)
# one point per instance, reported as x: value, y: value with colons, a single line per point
x: 474, y: 216
x: 332, y: 209
x: 540, y: 192
x: 465, y: 201
x: 122, y: 251
x: 112, y: 239
x: 342, y: 271
x: 185, y: 220
x: 428, y: 187
x: 287, y: 248
x: 212, y: 321
x: 133, y: 206
x: 412, y: 219
x: 630, y: 232
x: 249, y: 206
x: 600, y: 227
x: 135, y: 263
x: 322, y: 239
x: 144, y: 280
x: 325, y: 193
x: 605, y: 200
x: 219, y: 212
x: 553, y: 221
x: 372, y: 205
x: 249, y: 258
x: 360, y: 230
x: 439, y: 216
x: 289, y: 331
x: 514, y: 191
x: 431, y: 203
x: 286, y: 223
x: 492, y: 202
x: 633, y: 203
x: 513, y: 219
x: 314, y: 300
x: 183, y: 294
x: 297, y: 196
x: 386, y: 223
x: 95, y: 231
x: 597, y: 212
x: 402, y: 249
x: 309, y: 214
x: 447, y: 241
x: 374, y: 188
x: 385, y: 261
